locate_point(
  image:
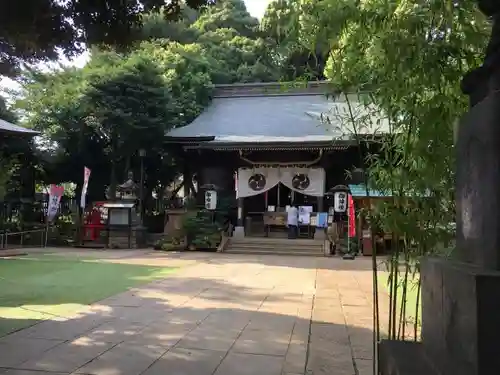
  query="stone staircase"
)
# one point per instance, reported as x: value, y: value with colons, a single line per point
x: 276, y: 246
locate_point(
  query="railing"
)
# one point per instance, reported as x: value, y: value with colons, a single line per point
x: 28, y: 238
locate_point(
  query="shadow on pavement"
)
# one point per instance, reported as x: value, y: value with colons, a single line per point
x: 189, y: 326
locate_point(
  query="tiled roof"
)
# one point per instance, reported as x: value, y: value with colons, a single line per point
x: 254, y: 114
x: 7, y: 127
x: 359, y: 191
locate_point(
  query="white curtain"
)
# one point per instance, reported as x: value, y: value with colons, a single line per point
x: 307, y: 181
x: 254, y: 181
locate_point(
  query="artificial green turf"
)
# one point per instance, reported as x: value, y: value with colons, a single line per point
x: 35, y: 288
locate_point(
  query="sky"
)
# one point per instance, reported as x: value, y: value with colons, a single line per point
x: 255, y: 7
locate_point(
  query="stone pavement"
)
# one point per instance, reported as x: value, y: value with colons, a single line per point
x: 219, y: 315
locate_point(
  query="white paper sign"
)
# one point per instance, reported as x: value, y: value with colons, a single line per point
x: 340, y: 201
x: 305, y: 214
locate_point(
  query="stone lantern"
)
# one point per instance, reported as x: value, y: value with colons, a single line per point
x: 128, y: 190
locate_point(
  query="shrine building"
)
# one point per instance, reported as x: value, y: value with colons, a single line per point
x: 273, y: 145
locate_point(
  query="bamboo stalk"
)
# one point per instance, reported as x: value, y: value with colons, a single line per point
x: 417, y: 303
x: 402, y: 313
x: 395, y: 284
x: 391, y: 294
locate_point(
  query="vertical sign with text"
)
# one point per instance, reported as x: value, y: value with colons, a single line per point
x: 86, y: 177
x: 55, y: 194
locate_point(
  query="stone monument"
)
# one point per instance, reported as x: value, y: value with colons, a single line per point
x: 461, y: 297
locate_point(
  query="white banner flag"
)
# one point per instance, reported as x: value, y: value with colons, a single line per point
x: 56, y: 192
x: 86, y: 177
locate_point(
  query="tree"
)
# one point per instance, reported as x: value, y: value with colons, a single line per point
x: 300, y: 55
x: 156, y: 27
x: 236, y: 58
x: 228, y: 14
x: 5, y: 113
x: 17, y: 161
x: 40, y: 30
x: 120, y: 102
x: 101, y: 115
x: 52, y: 102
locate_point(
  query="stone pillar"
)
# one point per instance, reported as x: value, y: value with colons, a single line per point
x: 239, y: 231
x: 461, y: 297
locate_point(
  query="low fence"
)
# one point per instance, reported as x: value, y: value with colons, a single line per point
x: 29, y: 238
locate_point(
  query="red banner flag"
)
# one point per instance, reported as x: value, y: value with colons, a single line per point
x: 352, y: 217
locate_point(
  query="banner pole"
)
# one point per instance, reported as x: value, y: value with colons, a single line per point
x: 348, y: 230
x: 47, y: 220
x: 46, y: 227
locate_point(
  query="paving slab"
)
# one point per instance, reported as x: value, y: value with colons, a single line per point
x: 266, y: 342
x: 227, y: 319
x: 29, y: 372
x: 16, y: 350
x: 116, y: 331
x: 295, y: 360
x: 165, y: 334
x: 63, y: 330
x: 123, y: 359
x: 250, y: 364
x: 181, y: 361
x: 210, y: 338
x: 67, y: 357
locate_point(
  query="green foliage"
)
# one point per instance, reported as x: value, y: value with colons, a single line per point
x: 66, y: 25
x: 349, y: 245
x: 5, y: 113
x: 171, y: 243
x: 409, y: 62
x: 202, y: 230
x: 228, y: 14
x: 120, y: 102
x: 407, y: 59
x: 15, y: 153
x: 300, y: 53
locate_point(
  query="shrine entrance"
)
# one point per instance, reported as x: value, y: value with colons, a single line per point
x: 268, y: 193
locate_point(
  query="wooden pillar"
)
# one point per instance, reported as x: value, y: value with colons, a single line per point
x: 320, y: 204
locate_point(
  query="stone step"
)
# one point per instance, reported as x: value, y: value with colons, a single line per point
x: 275, y: 246
x: 277, y: 241
x: 279, y: 248
x: 233, y: 250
